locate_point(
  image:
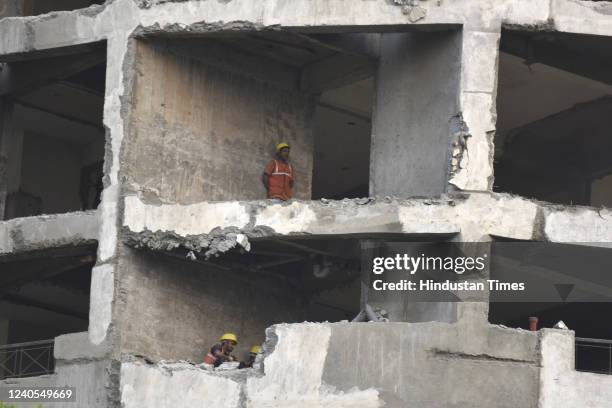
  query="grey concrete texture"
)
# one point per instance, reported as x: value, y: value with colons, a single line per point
x: 484, y: 216
x: 176, y: 310
x: 76, y: 346
x: 411, y: 129
x: 48, y: 231
x: 362, y: 365
x: 435, y: 365
x: 474, y: 217
x: 201, y: 133
x: 560, y: 383
x: 90, y: 379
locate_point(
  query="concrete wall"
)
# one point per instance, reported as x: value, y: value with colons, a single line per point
x: 395, y: 365
x: 560, y: 384
x: 198, y: 132
x: 172, y: 309
x: 80, y: 365
x: 417, y: 96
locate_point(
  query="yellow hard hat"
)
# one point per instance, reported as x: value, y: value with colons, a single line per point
x: 281, y: 145
x: 255, y: 350
x: 230, y: 337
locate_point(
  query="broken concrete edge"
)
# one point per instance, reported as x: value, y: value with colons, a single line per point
x: 192, y: 225
x: 279, y: 333
x: 48, y: 231
x: 200, y: 27
x: 214, y: 243
x: 544, y: 26
x: 459, y: 135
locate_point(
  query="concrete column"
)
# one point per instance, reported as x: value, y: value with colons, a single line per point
x: 417, y: 97
x: 478, y: 93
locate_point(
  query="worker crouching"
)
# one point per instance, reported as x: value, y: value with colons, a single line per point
x: 222, y: 352
x: 253, y: 353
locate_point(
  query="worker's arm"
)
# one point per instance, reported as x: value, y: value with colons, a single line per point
x: 264, y: 180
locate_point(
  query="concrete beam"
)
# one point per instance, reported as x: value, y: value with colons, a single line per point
x: 474, y: 217
x: 539, y: 49
x: 47, y: 231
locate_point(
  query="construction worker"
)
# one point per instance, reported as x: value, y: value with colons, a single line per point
x: 222, y: 351
x: 255, y: 350
x: 278, y: 175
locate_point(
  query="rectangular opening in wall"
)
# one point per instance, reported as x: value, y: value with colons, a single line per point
x: 208, y: 111
x: 554, y: 110
x: 195, y: 299
x: 53, y: 107
x: 42, y: 295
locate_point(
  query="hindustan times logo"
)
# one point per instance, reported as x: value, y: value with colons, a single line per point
x: 413, y: 264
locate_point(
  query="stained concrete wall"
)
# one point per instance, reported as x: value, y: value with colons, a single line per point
x: 176, y: 310
x: 417, y: 96
x: 395, y: 365
x: 199, y: 132
x: 560, y: 384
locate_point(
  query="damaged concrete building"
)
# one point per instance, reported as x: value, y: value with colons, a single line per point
x: 135, y: 230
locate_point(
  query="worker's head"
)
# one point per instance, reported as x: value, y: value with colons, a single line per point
x: 230, y: 340
x: 282, y: 150
x: 255, y: 350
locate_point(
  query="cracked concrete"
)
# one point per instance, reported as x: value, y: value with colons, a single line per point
x: 213, y: 227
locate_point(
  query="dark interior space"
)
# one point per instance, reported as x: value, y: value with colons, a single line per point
x: 321, y: 273
x: 312, y: 91
x: 36, y: 7
x: 55, y: 137
x: 43, y: 294
x: 565, y: 282
x: 342, y: 131
x: 554, y: 114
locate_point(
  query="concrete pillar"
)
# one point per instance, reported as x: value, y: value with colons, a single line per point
x: 417, y: 96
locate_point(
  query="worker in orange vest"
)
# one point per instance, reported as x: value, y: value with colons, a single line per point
x: 278, y: 175
x: 222, y: 351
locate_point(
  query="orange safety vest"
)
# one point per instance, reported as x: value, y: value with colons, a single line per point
x: 280, y: 180
x: 210, y: 359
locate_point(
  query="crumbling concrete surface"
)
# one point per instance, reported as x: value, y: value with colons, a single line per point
x: 361, y: 365
x: 208, y: 245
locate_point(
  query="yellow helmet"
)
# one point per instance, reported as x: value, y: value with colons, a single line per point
x: 255, y: 350
x: 281, y: 145
x: 230, y: 337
